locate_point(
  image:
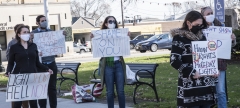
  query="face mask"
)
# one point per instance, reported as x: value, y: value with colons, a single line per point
x: 25, y: 37
x: 195, y: 29
x: 111, y: 26
x: 43, y: 24
x: 210, y: 18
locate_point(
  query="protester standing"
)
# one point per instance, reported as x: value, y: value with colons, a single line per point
x: 23, y: 58
x: 48, y: 61
x: 221, y: 86
x: 113, y: 69
x: 12, y: 42
x: 193, y: 91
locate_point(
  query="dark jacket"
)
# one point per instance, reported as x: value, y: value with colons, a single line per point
x: 12, y: 42
x: 190, y: 92
x: 26, y: 60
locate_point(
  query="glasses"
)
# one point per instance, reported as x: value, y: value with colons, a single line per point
x: 111, y: 21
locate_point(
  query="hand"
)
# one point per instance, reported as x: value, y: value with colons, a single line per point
x: 129, y: 34
x: 197, y: 75
x: 40, y: 53
x: 233, y: 36
x: 7, y: 74
x: 64, y: 33
x: 91, y: 35
x: 216, y: 75
x: 50, y: 71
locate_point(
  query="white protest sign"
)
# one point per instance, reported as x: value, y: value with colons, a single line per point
x: 205, y: 57
x: 30, y: 86
x: 110, y: 42
x: 50, y: 43
x: 223, y: 37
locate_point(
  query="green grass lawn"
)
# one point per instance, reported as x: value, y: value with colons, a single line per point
x: 166, y: 82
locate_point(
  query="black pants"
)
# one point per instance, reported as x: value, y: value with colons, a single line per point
x: 52, y: 91
x: 32, y: 103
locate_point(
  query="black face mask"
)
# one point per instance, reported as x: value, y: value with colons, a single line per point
x: 195, y: 29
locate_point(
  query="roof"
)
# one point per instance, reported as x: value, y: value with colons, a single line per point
x: 74, y: 19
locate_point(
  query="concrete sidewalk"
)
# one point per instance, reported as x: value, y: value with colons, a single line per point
x: 62, y: 103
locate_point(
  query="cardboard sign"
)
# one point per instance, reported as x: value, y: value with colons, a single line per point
x: 110, y: 42
x: 205, y: 57
x: 223, y: 37
x: 50, y: 43
x: 30, y: 86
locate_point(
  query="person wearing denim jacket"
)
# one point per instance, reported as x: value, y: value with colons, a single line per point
x: 222, y: 63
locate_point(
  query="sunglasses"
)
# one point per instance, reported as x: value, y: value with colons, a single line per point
x: 111, y: 21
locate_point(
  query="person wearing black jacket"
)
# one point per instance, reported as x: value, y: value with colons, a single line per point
x: 25, y: 56
x: 193, y: 90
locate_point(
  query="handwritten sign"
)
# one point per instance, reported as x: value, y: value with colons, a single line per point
x: 30, y: 86
x: 223, y: 37
x: 205, y: 57
x: 50, y: 43
x: 110, y: 42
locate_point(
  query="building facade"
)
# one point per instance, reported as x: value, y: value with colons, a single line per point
x: 14, y: 12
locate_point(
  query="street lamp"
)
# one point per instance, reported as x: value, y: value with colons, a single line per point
x: 2, y: 69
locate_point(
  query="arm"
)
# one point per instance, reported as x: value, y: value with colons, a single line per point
x: 176, y: 61
x: 11, y: 60
x: 8, y: 49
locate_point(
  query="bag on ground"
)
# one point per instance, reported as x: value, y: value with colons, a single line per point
x: 97, y: 90
x: 80, y: 95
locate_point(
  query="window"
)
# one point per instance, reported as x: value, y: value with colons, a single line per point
x: 23, y: 17
x: 65, y: 16
x: 3, y: 40
x: 22, y: 1
x: 52, y: 27
x: 82, y: 22
x: 9, y: 18
x: 165, y: 36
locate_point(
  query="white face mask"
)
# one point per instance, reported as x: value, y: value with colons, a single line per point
x: 25, y: 37
x: 111, y: 26
x: 210, y: 18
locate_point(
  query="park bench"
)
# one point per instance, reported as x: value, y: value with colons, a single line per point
x: 67, y: 68
x: 142, y: 70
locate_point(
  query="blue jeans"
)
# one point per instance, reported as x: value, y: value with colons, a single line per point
x: 202, y: 106
x: 115, y: 74
x: 221, y: 92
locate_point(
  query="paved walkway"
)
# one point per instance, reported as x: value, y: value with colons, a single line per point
x: 62, y: 103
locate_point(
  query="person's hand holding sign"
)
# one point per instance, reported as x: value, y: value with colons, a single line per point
x: 197, y: 75
x: 50, y: 71
x: 233, y: 36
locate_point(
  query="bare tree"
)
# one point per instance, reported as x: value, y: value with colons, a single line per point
x: 100, y: 12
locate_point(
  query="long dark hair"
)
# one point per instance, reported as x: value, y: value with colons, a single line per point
x: 19, y: 29
x: 106, y: 21
x: 191, y: 17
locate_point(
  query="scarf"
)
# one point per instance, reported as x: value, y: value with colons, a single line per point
x: 187, y: 34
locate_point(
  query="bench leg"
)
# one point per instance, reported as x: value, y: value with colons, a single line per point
x: 155, y: 90
x: 59, y: 87
x: 134, y: 94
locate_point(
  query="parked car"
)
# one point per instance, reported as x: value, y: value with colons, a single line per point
x: 161, y: 41
x: 80, y: 48
x: 88, y: 45
x: 139, y: 38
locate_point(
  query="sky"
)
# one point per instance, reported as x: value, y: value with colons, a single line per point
x: 145, y: 9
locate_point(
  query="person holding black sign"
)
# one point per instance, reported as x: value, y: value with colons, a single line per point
x: 113, y: 69
x: 23, y: 58
x: 193, y: 90
x: 221, y: 87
